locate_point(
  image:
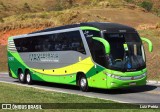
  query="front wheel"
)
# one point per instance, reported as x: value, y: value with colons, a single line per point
x: 29, y: 78
x: 83, y: 83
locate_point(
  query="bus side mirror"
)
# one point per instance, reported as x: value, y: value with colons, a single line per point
x: 150, y: 45
x: 104, y: 42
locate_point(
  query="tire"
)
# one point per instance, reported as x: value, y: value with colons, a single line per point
x: 29, y: 78
x: 83, y: 83
x: 21, y: 77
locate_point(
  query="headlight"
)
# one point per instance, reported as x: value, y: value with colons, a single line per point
x: 117, y: 77
x: 113, y: 76
x: 144, y: 74
x: 109, y: 75
x: 134, y: 77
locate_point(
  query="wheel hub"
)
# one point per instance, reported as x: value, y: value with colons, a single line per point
x: 22, y: 76
x: 83, y: 82
x: 28, y: 78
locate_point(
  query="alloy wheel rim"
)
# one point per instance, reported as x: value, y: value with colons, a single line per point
x: 21, y: 76
x: 28, y: 78
x: 83, y: 82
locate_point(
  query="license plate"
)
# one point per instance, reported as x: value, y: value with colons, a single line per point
x: 132, y: 84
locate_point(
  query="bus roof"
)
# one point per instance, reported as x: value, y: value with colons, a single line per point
x: 109, y: 27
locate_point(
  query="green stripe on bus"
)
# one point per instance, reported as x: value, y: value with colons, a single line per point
x: 105, y: 43
x: 89, y: 28
x: 13, y: 74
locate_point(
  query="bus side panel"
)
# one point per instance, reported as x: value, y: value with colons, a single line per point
x: 68, y: 79
x: 14, y: 63
x: 43, y: 77
x: 64, y: 79
x: 67, y: 74
x: 96, y: 77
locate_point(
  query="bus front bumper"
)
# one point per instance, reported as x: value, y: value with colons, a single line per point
x: 113, y: 83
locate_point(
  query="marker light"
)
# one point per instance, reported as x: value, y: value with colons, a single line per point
x: 113, y: 76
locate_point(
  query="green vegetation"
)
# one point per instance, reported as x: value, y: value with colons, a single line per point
x: 146, y: 5
x: 26, y: 7
x: 149, y: 5
x: 62, y: 5
x: 130, y: 1
x: 157, y: 11
x: 50, y: 13
x: 15, y: 7
x: 18, y: 94
x: 32, y: 95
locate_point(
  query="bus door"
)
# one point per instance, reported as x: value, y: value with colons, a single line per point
x: 98, y: 52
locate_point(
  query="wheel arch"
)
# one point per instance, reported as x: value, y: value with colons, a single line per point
x: 20, y: 70
x: 26, y: 71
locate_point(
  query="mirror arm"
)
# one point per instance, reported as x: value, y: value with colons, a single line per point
x: 150, y: 45
x: 105, y: 43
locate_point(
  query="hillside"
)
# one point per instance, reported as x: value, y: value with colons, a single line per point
x: 25, y: 16
x: 29, y: 22
x: 15, y: 7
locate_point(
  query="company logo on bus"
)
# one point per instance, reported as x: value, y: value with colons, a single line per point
x: 11, y: 58
x: 44, y: 57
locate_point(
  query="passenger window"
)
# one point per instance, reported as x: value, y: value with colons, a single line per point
x: 71, y: 41
x: 52, y: 42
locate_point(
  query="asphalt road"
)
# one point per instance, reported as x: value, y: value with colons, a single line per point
x: 144, y: 94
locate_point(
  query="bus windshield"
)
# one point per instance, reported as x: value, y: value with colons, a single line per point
x: 127, y: 52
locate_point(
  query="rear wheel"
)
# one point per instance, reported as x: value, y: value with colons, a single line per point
x: 29, y: 78
x: 21, y: 77
x: 83, y: 83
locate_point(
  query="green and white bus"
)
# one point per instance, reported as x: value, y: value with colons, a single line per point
x: 91, y: 54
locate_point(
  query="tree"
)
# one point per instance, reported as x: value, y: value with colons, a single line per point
x: 26, y: 7
x: 147, y: 5
x: 70, y: 2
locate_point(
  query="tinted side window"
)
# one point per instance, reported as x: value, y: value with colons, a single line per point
x: 53, y: 42
x: 69, y: 41
x: 33, y: 44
